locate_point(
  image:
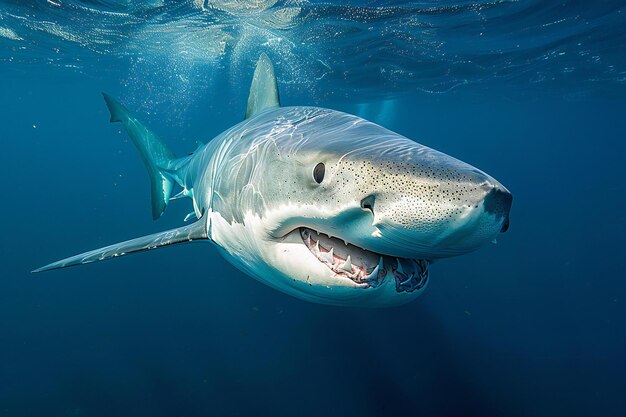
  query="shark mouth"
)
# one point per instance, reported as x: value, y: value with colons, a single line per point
x: 365, y: 267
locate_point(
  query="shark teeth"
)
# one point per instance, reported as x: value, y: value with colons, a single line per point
x: 399, y: 269
x: 408, y: 280
x: 416, y: 279
x: 347, y: 265
x: 374, y: 274
x: 407, y: 275
x: 328, y: 256
x: 347, y: 260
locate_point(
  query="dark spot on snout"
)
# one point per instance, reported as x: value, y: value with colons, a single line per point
x: 498, y: 202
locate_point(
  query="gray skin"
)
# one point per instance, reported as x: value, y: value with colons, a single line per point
x: 361, y: 230
x: 381, y: 192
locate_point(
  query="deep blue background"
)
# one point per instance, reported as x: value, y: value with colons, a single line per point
x: 532, y: 326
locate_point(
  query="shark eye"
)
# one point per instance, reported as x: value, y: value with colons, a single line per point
x: 318, y: 173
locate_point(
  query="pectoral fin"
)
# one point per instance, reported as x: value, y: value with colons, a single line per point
x: 194, y: 231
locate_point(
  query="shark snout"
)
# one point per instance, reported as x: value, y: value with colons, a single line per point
x: 498, y: 203
x: 425, y: 206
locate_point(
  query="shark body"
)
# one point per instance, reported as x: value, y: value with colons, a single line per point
x: 319, y: 204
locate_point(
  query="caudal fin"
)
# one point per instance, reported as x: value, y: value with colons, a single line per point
x: 154, y: 153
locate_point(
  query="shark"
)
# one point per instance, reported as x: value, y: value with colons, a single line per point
x: 317, y: 203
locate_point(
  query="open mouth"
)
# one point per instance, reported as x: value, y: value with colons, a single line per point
x: 365, y: 267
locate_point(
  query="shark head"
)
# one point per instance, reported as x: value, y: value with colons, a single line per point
x: 341, y: 210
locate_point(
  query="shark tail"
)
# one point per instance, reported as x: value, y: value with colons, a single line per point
x: 155, y: 154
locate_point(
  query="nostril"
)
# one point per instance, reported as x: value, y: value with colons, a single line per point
x: 368, y: 203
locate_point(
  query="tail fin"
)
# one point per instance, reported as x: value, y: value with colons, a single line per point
x: 154, y: 153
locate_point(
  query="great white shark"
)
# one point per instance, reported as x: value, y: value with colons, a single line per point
x: 317, y: 203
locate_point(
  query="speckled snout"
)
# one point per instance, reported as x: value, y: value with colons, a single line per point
x: 425, y: 204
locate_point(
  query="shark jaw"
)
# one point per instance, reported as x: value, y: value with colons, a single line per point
x: 298, y: 263
x: 365, y: 268
x: 338, y: 255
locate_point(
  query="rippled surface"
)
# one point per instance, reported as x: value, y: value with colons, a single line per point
x: 329, y: 49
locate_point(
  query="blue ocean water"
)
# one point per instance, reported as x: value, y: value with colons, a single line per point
x: 533, y: 92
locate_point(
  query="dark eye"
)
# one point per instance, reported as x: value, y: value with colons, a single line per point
x: 318, y: 173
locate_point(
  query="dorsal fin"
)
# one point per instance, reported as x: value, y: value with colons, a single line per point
x: 264, y: 89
